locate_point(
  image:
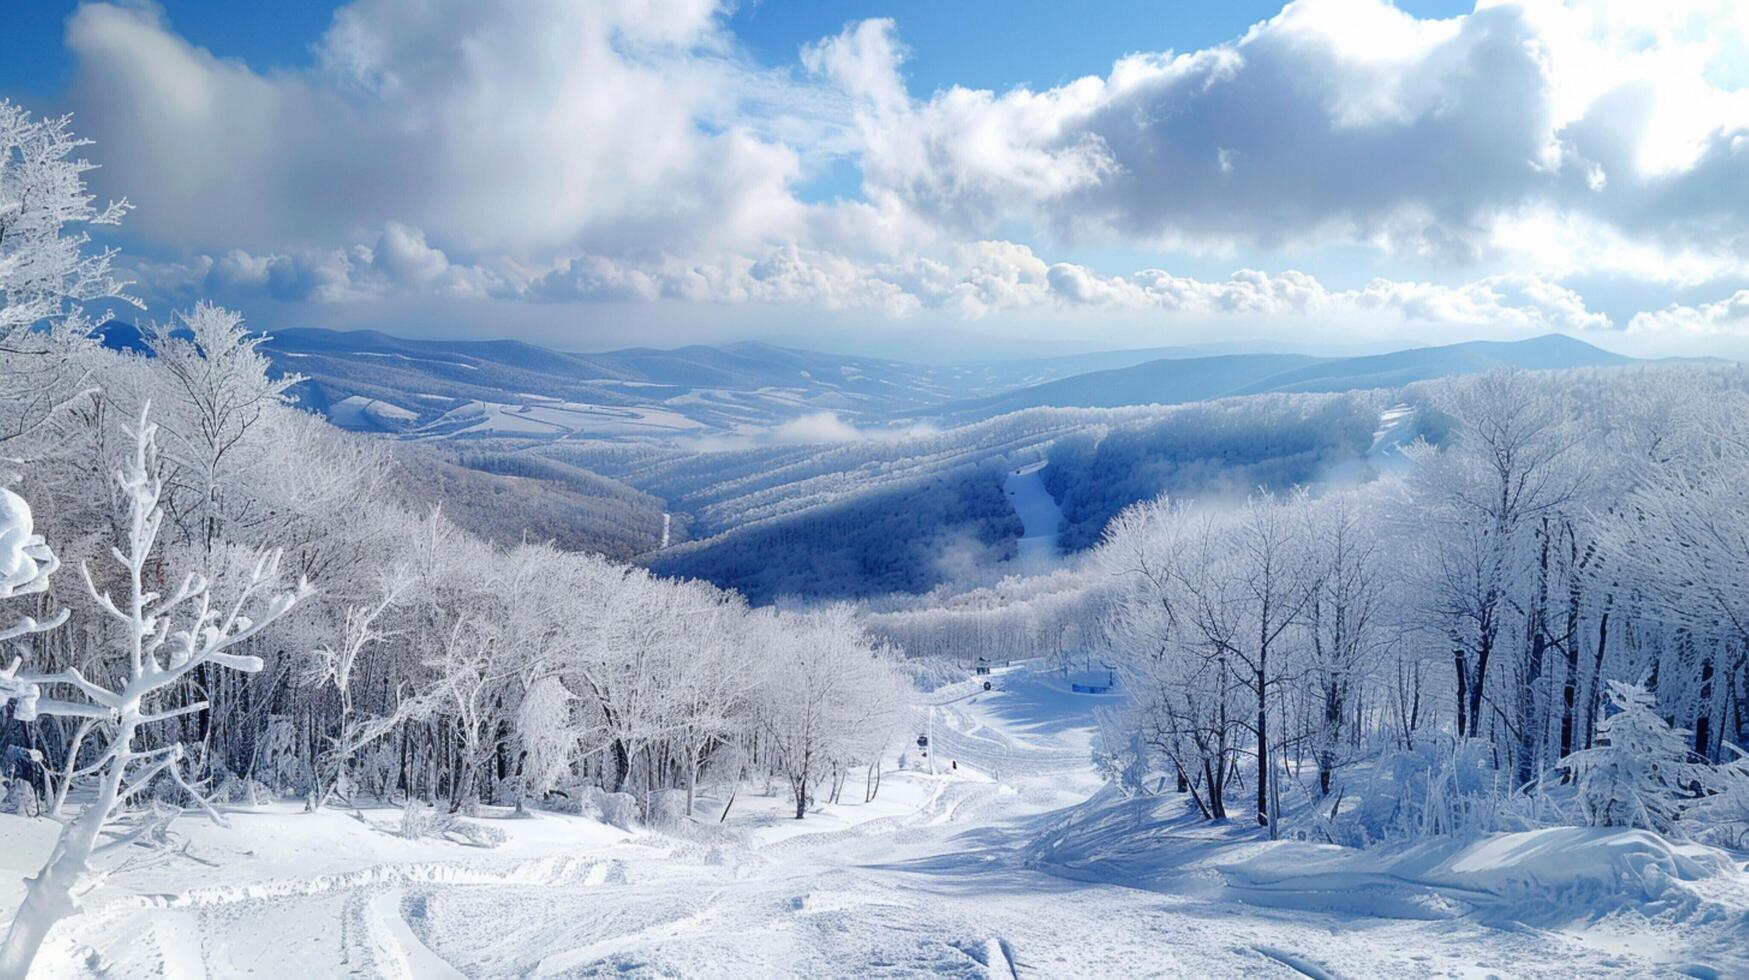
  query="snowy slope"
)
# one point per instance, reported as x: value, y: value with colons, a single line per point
x: 1039, y: 514
x: 992, y: 868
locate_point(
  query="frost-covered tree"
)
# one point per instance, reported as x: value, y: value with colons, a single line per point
x: 1638, y: 773
x: 829, y: 699
x: 46, y: 271
x: 1510, y: 461
x: 336, y: 666
x: 222, y: 388
x: 160, y: 639
x: 1344, y: 621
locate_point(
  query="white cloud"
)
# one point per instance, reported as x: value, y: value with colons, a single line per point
x: 1728, y: 317
x: 508, y: 127
x: 1348, y: 121
x: 970, y: 282
x: 623, y: 151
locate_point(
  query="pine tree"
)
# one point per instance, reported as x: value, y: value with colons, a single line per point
x: 1638, y: 772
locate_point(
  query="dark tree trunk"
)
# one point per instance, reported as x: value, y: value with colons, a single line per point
x: 1596, y: 694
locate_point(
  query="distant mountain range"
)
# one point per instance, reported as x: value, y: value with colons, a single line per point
x: 371, y: 381
x: 603, y: 451
x: 1179, y: 380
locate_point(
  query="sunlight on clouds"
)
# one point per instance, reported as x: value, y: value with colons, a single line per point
x: 632, y: 151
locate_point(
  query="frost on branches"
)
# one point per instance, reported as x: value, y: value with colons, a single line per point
x: 159, y: 641
x: 1639, y: 773
x: 45, y: 269
x: 25, y: 566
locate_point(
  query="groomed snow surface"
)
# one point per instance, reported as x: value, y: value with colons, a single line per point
x: 1040, y: 518
x: 1017, y: 863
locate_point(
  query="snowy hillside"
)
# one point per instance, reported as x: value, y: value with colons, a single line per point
x: 469, y: 390
x: 1173, y: 381
x: 978, y: 859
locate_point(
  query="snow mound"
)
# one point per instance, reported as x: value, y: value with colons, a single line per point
x: 1682, y: 904
x: 1587, y: 868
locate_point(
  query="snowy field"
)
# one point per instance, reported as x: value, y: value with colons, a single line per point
x: 998, y: 866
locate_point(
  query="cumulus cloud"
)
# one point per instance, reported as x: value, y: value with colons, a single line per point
x: 970, y: 282
x: 511, y: 127
x: 1729, y: 316
x: 630, y: 151
x: 1346, y: 120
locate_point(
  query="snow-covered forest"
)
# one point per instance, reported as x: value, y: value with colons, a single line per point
x: 1480, y: 643
x: 217, y: 598
x: 1444, y: 639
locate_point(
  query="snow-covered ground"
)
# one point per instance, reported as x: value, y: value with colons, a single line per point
x: 549, y: 418
x: 368, y: 414
x: 1040, y: 517
x: 997, y: 867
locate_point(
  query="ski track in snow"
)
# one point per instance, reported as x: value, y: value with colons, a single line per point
x: 945, y: 888
x: 1041, y: 519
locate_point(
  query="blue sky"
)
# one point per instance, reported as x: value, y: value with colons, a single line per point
x: 924, y: 177
x: 979, y: 43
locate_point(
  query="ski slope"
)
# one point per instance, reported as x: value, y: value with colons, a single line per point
x: 988, y: 869
x: 1040, y: 517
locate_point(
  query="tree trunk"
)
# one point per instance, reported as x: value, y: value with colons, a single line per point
x: 48, y: 898
x: 1530, y: 712
x: 1593, y: 704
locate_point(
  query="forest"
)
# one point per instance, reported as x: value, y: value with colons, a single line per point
x: 1540, y: 619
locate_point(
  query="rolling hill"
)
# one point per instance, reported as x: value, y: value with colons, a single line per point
x: 1174, y: 381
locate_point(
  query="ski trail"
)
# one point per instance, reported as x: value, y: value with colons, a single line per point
x: 1396, y: 431
x: 179, y: 944
x: 575, y: 958
x: 416, y: 959
x: 1041, y: 519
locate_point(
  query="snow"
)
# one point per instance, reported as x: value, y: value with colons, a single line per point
x: 559, y: 420
x: 1002, y: 866
x: 1040, y: 517
x: 1396, y: 430
x: 18, y: 564
x: 359, y: 412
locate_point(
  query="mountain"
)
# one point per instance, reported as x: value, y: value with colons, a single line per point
x: 1173, y: 381
x: 1168, y: 381
x: 1546, y: 353
x: 373, y: 381
x: 366, y: 380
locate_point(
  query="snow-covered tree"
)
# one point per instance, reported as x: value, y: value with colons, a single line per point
x: 46, y: 272
x: 1638, y: 773
x: 1509, y: 462
x: 160, y: 640
x: 829, y: 698
x: 1344, y: 620
x: 221, y: 389
x: 335, y: 666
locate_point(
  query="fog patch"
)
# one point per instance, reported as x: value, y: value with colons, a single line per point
x: 813, y: 429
